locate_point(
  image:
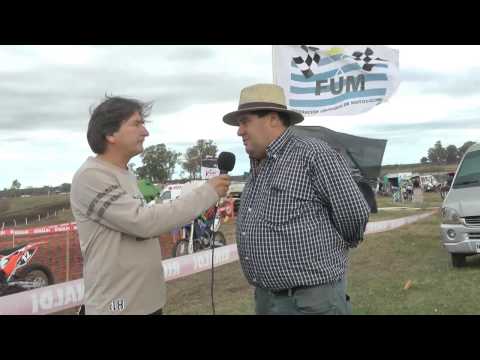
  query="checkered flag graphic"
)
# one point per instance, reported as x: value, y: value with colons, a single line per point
x: 366, y: 58
x: 304, y: 63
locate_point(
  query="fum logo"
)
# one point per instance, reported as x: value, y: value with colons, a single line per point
x: 118, y: 305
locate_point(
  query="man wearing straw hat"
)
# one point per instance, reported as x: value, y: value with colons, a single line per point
x: 300, y: 211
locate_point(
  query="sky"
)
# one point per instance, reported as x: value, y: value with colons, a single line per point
x: 46, y: 93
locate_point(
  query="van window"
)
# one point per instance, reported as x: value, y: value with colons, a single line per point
x: 166, y: 195
x: 469, y: 173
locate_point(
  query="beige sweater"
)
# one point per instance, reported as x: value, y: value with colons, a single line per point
x: 122, y: 262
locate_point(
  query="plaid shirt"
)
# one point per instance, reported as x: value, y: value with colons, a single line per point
x: 300, y: 212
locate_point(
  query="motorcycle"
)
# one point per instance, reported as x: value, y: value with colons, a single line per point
x: 201, y: 236
x: 17, y: 273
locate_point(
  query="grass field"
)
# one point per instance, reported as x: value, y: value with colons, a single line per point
x: 16, y: 210
x: 417, y: 168
x: 19, y: 205
x: 61, y: 217
x: 378, y: 271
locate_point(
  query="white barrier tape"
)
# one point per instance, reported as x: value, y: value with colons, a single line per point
x: 381, y: 226
x: 67, y: 295
x: 43, y: 300
x: 182, y: 266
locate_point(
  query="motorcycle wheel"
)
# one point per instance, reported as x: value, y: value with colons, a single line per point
x: 38, y: 274
x: 180, y: 248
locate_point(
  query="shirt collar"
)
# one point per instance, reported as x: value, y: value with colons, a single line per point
x: 272, y: 149
x: 277, y: 144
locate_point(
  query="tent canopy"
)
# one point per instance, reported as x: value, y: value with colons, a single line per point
x: 364, y: 154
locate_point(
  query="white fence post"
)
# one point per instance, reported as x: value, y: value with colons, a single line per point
x: 67, y: 262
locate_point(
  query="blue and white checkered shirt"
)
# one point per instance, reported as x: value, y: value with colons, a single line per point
x: 300, y: 212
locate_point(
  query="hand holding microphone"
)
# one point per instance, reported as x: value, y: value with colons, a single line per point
x: 226, y: 162
x: 220, y: 184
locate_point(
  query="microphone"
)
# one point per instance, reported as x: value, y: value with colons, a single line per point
x: 226, y: 162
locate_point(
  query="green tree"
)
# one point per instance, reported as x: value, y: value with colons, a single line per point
x: 158, y: 163
x: 15, y: 186
x: 462, y: 149
x: 437, y: 154
x: 195, y: 154
x: 451, y: 156
x: 424, y: 160
x: 65, y: 187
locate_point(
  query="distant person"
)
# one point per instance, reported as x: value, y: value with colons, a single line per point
x: 409, y: 190
x: 417, y: 191
x: 300, y: 211
x: 450, y: 180
x: 122, y: 261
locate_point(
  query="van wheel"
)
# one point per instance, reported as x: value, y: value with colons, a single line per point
x: 458, y: 260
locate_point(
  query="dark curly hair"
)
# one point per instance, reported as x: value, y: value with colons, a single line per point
x: 107, y: 118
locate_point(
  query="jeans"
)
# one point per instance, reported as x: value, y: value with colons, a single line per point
x: 327, y: 299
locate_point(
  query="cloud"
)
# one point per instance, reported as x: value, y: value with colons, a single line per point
x: 422, y: 127
x: 460, y: 83
x: 188, y: 55
x: 60, y: 96
x: 14, y: 139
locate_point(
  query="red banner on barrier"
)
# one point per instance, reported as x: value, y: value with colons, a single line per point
x: 50, y: 229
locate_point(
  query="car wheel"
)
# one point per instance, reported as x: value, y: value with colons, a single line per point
x: 458, y: 260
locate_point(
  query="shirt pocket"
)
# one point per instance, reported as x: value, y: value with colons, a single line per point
x: 283, y: 203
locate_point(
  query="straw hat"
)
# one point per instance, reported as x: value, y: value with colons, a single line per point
x: 262, y: 97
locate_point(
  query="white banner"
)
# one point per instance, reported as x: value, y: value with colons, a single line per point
x: 335, y: 79
x: 208, y: 173
x: 209, y: 168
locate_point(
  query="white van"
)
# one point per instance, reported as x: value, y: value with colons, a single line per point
x: 460, y: 226
x: 170, y: 192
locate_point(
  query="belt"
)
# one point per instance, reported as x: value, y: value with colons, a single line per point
x: 290, y: 291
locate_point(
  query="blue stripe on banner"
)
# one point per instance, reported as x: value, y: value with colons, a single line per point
x: 376, y: 77
x: 350, y: 67
x: 337, y: 99
x: 328, y: 74
x: 311, y: 90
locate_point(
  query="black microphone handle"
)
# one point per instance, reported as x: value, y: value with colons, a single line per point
x: 223, y: 172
